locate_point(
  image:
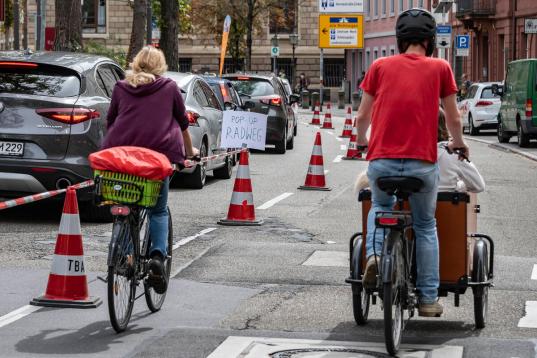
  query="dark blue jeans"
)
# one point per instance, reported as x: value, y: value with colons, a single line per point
x: 158, y: 222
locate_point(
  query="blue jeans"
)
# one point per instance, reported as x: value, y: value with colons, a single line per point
x: 158, y: 222
x: 423, y: 205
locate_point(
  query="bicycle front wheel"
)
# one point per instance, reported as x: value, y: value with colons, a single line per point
x: 121, y: 276
x: 393, y: 297
x: 154, y: 300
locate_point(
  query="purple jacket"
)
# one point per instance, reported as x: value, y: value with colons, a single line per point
x: 151, y: 116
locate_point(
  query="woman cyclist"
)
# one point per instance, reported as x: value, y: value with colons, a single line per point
x: 147, y: 110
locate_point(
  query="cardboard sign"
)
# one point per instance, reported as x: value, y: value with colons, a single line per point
x: 247, y: 128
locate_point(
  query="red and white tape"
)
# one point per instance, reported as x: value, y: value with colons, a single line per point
x: 190, y: 163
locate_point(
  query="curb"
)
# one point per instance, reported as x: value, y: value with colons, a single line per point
x: 504, y: 147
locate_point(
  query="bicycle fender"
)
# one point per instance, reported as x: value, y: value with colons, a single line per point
x: 387, y: 268
x: 116, y: 229
x: 480, y: 261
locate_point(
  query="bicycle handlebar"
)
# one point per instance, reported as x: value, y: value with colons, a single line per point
x: 461, y: 152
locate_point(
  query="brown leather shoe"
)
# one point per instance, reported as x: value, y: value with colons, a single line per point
x: 371, y: 271
x: 434, y: 309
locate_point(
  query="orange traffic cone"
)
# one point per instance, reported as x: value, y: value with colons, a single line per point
x: 352, y: 151
x: 316, y: 120
x: 347, y: 127
x: 327, y: 123
x: 241, y: 208
x: 315, y: 177
x: 67, y: 284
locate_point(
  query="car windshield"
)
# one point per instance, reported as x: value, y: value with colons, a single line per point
x: 253, y: 87
x: 39, y: 83
x: 487, y: 93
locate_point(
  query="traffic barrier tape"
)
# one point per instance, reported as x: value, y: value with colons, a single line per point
x: 88, y: 183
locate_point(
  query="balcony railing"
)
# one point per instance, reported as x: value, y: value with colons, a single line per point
x: 475, y: 8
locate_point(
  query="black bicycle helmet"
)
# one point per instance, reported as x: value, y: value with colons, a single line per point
x: 414, y: 26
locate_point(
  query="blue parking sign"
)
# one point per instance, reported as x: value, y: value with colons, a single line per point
x: 462, y: 41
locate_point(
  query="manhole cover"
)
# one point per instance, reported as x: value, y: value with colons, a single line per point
x: 327, y: 353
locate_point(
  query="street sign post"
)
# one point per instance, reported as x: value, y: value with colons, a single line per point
x: 275, y: 51
x: 341, y: 31
x: 462, y: 45
x: 341, y: 6
x: 443, y: 36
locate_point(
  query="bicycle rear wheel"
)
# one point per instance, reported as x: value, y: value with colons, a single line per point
x: 121, y: 276
x: 154, y: 300
x: 393, y: 296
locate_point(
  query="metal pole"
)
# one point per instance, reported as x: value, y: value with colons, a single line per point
x: 321, y: 82
x: 294, y: 69
x: 149, y: 22
x: 38, y: 27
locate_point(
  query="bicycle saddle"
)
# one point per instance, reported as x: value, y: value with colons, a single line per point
x: 403, y: 185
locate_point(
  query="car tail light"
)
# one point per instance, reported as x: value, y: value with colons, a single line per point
x: 243, y: 78
x: 120, y: 210
x: 274, y: 101
x: 18, y: 64
x: 388, y: 221
x: 484, y: 103
x: 68, y: 115
x: 192, y: 118
x: 529, y: 108
x: 43, y: 170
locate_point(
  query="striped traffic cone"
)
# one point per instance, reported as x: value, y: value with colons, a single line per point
x: 316, y: 120
x: 352, y: 152
x: 327, y: 123
x: 67, y: 284
x: 347, y: 127
x: 241, y: 208
x: 315, y: 177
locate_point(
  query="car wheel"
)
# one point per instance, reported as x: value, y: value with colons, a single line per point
x: 523, y: 138
x: 291, y: 143
x: 226, y: 171
x: 196, y: 180
x: 281, y: 146
x: 503, y: 137
x: 472, y: 129
x: 90, y: 212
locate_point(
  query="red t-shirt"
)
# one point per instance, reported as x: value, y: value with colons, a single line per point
x: 407, y: 90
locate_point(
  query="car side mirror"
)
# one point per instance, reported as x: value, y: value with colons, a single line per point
x: 294, y: 98
x: 497, y: 89
x: 229, y: 106
x: 248, y: 105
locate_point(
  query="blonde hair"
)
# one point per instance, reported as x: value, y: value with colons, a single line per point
x: 146, y: 65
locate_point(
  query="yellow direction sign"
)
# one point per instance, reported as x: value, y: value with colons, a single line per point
x: 341, y: 31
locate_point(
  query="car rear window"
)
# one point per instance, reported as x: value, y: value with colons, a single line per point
x: 487, y: 93
x: 253, y: 87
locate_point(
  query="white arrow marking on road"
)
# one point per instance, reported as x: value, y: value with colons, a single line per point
x: 343, y: 147
x: 534, y: 273
x: 271, y: 202
x: 17, y: 314
x: 337, y: 159
x: 186, y: 240
x: 530, y: 319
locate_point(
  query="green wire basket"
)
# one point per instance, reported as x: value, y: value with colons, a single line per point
x: 126, y: 189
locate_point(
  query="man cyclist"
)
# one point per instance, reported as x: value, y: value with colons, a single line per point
x: 401, y: 101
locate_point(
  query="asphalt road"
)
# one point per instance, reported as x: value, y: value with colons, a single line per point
x: 243, y: 290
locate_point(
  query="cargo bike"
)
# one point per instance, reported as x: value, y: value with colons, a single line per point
x: 466, y: 258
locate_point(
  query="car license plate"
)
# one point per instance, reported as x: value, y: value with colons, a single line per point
x: 12, y: 149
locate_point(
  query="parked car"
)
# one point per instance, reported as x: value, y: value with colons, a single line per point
x: 205, y: 116
x: 479, y: 110
x: 518, y: 96
x: 53, y: 109
x: 269, y: 97
x: 225, y: 92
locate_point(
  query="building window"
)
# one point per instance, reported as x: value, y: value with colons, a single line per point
x: 94, y: 16
x: 420, y: 3
x: 410, y: 4
x: 367, y: 8
x: 375, y: 55
x: 367, y: 59
x: 383, y: 52
x: 376, y: 8
x: 232, y: 66
x: 282, y: 17
x: 2, y: 11
x: 401, y: 8
x: 185, y: 65
x: 392, y: 7
x: 334, y: 71
x: 392, y: 51
x: 383, y: 7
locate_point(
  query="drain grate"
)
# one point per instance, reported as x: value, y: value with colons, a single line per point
x: 311, y: 352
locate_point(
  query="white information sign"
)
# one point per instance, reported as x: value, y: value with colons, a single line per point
x: 443, y: 36
x: 530, y: 26
x: 341, y: 6
x: 343, y: 37
x: 463, y: 52
x: 240, y: 128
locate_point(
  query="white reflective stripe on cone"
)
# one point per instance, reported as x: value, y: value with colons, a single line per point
x: 238, y: 197
x: 243, y: 172
x: 70, y: 224
x: 68, y: 265
x: 317, y: 150
x: 316, y: 170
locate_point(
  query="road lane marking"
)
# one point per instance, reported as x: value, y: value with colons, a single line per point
x: 343, y: 147
x: 534, y: 273
x: 271, y: 202
x: 186, y: 240
x: 17, y: 314
x: 339, y: 139
x: 530, y: 319
x: 331, y: 133
x: 337, y: 159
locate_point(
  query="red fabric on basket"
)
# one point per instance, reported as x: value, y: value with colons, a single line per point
x: 139, y: 161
